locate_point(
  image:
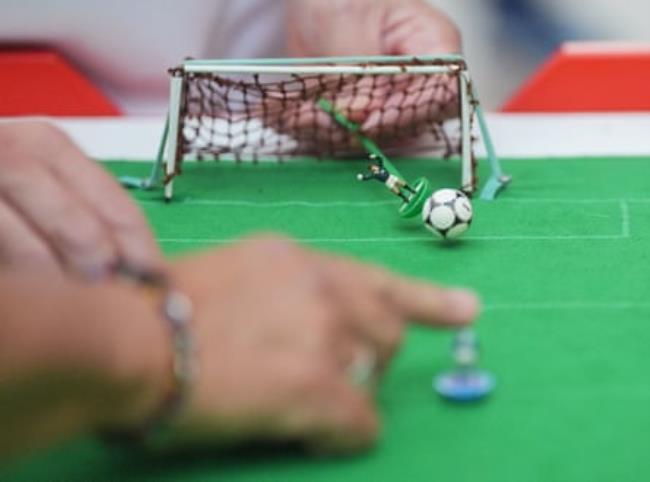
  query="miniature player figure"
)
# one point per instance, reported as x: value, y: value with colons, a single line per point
x: 465, y: 349
x: 465, y: 382
x: 392, y: 182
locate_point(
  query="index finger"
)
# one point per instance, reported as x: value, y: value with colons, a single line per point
x: 412, y: 299
x: 433, y: 305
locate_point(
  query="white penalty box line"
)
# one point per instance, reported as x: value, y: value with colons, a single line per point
x: 567, y: 305
x: 623, y: 205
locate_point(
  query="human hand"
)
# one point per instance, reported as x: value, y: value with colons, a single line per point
x: 368, y: 27
x: 61, y: 212
x: 278, y: 329
x: 290, y: 346
x: 386, y: 107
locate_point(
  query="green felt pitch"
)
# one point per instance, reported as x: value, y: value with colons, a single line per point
x: 561, y: 262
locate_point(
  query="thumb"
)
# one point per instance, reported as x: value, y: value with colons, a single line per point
x: 413, y: 27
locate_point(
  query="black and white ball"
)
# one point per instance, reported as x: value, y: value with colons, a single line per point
x: 447, y: 213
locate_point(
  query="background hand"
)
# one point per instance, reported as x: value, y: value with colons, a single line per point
x: 369, y: 27
x: 387, y: 107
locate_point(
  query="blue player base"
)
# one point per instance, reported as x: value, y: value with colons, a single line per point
x: 464, y: 385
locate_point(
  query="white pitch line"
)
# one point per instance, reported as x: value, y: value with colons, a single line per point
x: 567, y: 237
x: 328, y: 204
x: 639, y: 200
x: 403, y: 239
x: 625, y: 229
x: 302, y: 240
x: 571, y: 305
x: 625, y: 219
x: 558, y: 200
x: 279, y: 204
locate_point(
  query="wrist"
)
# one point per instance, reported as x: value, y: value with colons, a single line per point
x: 77, y: 357
x: 109, y: 331
x: 174, y: 311
x: 138, y: 358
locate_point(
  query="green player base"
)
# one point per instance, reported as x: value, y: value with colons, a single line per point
x: 414, y: 206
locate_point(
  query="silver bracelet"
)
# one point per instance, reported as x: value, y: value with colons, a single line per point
x: 177, y: 313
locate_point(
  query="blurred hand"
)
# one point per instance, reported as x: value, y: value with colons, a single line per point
x: 387, y: 107
x: 61, y: 212
x: 279, y: 329
x: 368, y: 27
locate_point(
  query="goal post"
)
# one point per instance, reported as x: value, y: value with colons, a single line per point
x: 268, y: 109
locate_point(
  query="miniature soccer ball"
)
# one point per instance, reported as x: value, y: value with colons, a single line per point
x: 447, y: 213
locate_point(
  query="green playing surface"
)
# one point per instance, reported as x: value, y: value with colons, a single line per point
x: 561, y: 263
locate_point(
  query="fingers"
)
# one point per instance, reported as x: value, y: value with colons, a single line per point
x: 302, y: 117
x: 375, y: 304
x: 122, y: 218
x: 431, y: 305
x: 331, y: 415
x: 345, y: 420
x: 21, y: 247
x: 361, y: 305
x: 333, y: 28
x: 387, y: 108
x: 62, y: 221
x: 75, y: 209
x: 420, y: 301
x: 416, y: 103
x: 408, y: 298
x: 413, y: 27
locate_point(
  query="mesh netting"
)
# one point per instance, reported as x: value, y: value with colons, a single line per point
x: 272, y: 116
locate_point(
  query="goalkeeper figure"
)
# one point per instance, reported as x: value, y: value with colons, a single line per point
x: 392, y: 182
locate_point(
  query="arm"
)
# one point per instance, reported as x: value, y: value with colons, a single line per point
x: 74, y: 358
x: 365, y: 177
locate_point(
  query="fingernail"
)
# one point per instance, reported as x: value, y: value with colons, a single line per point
x: 463, y: 305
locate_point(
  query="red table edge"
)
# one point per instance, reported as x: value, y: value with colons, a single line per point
x: 588, y: 77
x: 39, y: 81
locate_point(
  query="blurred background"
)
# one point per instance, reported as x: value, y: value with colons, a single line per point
x: 505, y: 40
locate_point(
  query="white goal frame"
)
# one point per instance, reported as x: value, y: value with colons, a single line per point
x: 169, y: 154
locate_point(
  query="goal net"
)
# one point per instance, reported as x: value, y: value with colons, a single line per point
x: 269, y: 109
